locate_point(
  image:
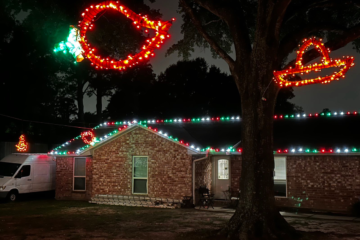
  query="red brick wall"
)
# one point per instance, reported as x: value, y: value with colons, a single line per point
x: 169, y: 165
x: 64, y: 180
x: 203, y: 170
x: 235, y: 162
x: 330, y: 183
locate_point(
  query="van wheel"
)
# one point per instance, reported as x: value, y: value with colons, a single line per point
x: 13, y: 196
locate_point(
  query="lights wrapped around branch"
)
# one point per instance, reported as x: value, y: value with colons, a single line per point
x: 161, y: 33
x: 282, y: 77
x: 22, y: 146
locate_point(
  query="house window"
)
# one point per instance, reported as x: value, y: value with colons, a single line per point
x: 223, y: 169
x: 79, y: 174
x: 280, y: 177
x: 140, y: 175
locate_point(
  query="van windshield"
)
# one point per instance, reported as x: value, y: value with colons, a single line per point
x: 8, y: 169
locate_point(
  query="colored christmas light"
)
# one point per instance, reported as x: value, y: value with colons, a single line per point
x: 22, y: 146
x: 161, y: 33
x: 72, y: 45
x: 345, y: 63
x: 88, y: 137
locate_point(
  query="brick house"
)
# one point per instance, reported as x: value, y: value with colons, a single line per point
x: 132, y: 162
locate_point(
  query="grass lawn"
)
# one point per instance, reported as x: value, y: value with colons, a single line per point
x: 51, y: 219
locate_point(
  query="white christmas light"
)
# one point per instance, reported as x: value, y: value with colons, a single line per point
x: 300, y: 149
x: 293, y: 150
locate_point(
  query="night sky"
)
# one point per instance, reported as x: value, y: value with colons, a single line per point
x: 340, y: 95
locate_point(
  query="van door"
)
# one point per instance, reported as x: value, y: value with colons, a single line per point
x: 221, y: 175
x: 23, y: 179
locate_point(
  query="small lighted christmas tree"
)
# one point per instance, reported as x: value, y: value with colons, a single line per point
x: 22, y: 146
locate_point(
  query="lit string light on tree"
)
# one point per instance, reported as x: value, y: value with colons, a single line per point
x: 161, y: 33
x: 281, y: 77
x: 22, y: 146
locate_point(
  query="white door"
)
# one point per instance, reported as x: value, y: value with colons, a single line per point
x: 221, y: 177
x: 23, y: 179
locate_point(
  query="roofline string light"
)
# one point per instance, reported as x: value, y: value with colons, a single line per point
x: 161, y: 33
x: 228, y: 150
x: 228, y: 119
x: 345, y: 63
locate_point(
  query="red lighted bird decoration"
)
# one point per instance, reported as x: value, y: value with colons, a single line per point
x: 281, y: 77
x: 22, y: 146
x: 88, y: 137
x: 161, y: 33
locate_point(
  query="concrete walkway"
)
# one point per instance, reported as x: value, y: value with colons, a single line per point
x: 288, y: 214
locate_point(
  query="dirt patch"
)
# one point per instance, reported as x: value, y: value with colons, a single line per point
x: 71, y: 220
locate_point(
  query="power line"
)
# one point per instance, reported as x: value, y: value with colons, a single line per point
x: 55, y: 124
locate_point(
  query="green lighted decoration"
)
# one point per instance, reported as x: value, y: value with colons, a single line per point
x: 72, y: 45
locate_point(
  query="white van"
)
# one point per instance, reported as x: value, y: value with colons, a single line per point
x: 26, y: 173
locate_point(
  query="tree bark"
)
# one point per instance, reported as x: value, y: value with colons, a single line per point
x: 80, y: 101
x: 257, y: 216
x: 99, y: 103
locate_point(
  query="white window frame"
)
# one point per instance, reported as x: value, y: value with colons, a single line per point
x: 78, y: 176
x: 286, y: 184
x: 228, y: 170
x: 147, y: 174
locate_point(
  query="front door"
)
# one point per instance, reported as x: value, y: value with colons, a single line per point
x: 221, y: 176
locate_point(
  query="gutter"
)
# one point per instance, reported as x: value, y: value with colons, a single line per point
x: 197, y: 160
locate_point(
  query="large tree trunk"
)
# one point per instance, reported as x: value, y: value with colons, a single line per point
x: 256, y: 216
x: 80, y: 102
x: 99, y: 103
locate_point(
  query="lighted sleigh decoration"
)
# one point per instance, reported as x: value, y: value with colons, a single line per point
x: 161, y: 33
x: 282, y: 77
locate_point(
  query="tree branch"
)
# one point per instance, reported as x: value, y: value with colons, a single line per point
x: 311, y: 4
x: 291, y: 41
x: 232, y: 14
x: 205, y: 35
x: 348, y: 36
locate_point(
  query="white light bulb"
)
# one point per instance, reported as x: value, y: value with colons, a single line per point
x: 232, y: 118
x: 208, y: 119
x: 338, y: 150
x: 293, y: 150
x: 153, y: 121
x: 346, y: 150
x: 298, y: 115
x: 238, y: 118
x: 192, y: 146
x: 300, y: 150
x: 342, y: 113
x: 203, y: 119
x: 175, y: 120
x: 149, y: 121
x: 223, y: 150
x: 197, y: 149
x: 335, y: 113
x: 165, y: 134
x: 160, y: 132
x: 304, y: 115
